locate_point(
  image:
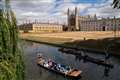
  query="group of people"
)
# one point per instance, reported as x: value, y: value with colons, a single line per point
x: 55, y: 66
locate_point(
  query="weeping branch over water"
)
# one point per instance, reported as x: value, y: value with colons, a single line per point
x: 116, y: 4
x: 11, y: 64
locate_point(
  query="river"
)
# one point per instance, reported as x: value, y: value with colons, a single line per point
x: 90, y: 71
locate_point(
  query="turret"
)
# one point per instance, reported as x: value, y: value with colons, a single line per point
x: 95, y: 17
x: 35, y: 21
x: 76, y: 19
x: 89, y: 16
x: 68, y: 15
x: 75, y: 11
x: 108, y: 18
x: 26, y: 21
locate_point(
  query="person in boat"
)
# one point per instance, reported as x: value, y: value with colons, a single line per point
x: 40, y: 59
x: 63, y: 68
x: 50, y: 63
x: 46, y: 64
x: 66, y: 69
x: 39, y: 55
x: 54, y: 65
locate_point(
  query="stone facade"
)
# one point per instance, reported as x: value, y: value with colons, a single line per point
x: 100, y: 24
x: 41, y: 27
x: 91, y: 23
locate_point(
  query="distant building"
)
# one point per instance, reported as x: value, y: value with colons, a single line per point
x: 75, y: 23
x: 91, y: 23
x: 40, y: 27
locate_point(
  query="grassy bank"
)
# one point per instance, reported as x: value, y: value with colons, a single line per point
x: 49, y: 40
x: 109, y: 45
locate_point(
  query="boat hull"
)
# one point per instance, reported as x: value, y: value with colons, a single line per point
x: 55, y: 71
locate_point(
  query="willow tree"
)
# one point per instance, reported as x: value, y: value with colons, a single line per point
x: 116, y: 4
x: 11, y: 64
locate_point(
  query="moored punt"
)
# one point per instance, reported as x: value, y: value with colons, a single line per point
x: 98, y: 61
x: 72, y: 73
x: 86, y: 57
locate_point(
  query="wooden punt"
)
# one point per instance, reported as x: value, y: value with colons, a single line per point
x: 74, y: 73
x: 87, y: 58
x: 98, y: 61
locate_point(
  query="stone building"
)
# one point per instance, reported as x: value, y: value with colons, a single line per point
x: 73, y: 24
x: 91, y: 23
x: 100, y: 24
x: 40, y: 27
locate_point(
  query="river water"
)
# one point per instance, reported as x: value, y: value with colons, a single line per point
x: 90, y: 71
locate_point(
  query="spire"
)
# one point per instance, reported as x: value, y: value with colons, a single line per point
x: 23, y: 22
x: 26, y: 21
x: 76, y: 19
x: 68, y: 12
x: 68, y: 15
x: 35, y: 21
x: 95, y: 17
x: 29, y: 21
x: 76, y: 11
x: 108, y: 18
x: 114, y: 17
x: 88, y: 16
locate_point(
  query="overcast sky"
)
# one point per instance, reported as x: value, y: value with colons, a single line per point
x: 55, y: 10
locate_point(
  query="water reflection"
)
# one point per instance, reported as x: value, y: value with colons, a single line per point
x: 78, y: 58
x: 106, y: 71
x: 42, y: 71
x: 90, y: 70
x: 83, y: 56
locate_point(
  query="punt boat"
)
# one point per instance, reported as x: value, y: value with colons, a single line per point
x: 62, y: 70
x: 87, y: 58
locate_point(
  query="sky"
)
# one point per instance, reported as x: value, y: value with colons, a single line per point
x: 54, y: 11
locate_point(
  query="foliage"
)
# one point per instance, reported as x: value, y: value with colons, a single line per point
x: 11, y: 64
x: 116, y: 4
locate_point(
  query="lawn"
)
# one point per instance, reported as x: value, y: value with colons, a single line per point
x: 103, y: 42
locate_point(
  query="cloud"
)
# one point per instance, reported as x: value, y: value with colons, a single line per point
x: 34, y: 14
x: 1, y: 4
x: 103, y: 10
x: 32, y: 9
x: 43, y: 1
x: 55, y: 10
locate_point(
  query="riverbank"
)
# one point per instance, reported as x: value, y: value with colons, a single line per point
x: 78, y: 35
x: 90, y: 45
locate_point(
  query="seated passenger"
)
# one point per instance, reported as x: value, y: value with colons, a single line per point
x: 46, y: 64
x: 39, y: 55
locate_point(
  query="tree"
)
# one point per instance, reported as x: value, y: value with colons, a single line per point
x: 116, y: 4
x: 11, y: 64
